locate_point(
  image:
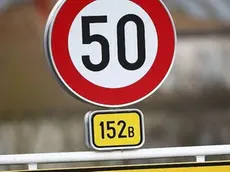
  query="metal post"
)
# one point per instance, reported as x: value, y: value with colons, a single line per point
x: 200, y: 158
x: 33, y: 166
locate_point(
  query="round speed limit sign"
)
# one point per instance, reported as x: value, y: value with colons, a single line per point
x: 110, y: 53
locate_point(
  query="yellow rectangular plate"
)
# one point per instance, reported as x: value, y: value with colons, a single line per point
x: 115, y: 129
x: 176, y: 167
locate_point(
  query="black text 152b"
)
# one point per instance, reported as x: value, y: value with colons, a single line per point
x: 111, y: 129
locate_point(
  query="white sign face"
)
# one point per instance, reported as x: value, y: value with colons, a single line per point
x: 113, y: 74
x: 110, y: 53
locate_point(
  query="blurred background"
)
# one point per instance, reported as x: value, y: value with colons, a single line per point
x: 191, y: 108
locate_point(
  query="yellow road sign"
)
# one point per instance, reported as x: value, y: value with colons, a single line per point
x: 185, y: 167
x: 115, y: 129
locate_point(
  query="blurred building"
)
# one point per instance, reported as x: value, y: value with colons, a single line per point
x: 200, y: 14
x: 202, y: 9
x: 191, y: 108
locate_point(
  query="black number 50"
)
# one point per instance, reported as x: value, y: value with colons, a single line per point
x: 88, y: 39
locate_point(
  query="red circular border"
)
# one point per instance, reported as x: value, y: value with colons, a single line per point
x: 105, y: 96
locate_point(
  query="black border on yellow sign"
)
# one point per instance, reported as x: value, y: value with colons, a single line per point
x: 117, y: 113
x: 138, y: 167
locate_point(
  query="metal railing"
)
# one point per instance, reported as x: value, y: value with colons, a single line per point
x: 32, y: 160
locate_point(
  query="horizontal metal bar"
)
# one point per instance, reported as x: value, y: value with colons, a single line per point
x: 116, y: 155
